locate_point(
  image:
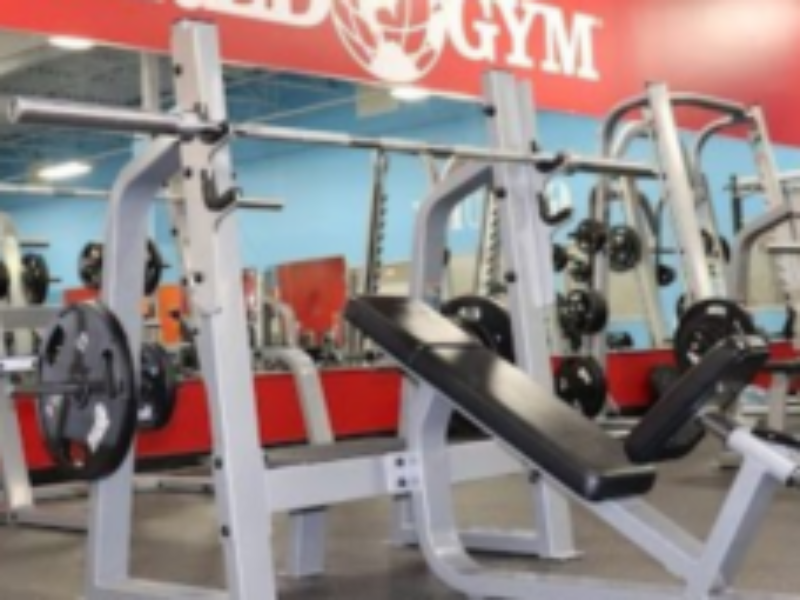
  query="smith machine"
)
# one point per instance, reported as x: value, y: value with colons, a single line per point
x: 530, y: 430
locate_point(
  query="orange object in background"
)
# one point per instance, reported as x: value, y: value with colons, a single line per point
x: 76, y: 295
x: 317, y: 291
x: 170, y: 298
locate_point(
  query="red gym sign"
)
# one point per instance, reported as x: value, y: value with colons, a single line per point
x: 582, y: 55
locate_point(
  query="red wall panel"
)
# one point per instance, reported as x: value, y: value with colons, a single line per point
x: 740, y: 49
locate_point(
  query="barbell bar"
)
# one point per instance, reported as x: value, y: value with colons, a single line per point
x: 29, y: 110
x: 61, y: 389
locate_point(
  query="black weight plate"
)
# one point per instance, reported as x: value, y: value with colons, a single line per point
x: 153, y: 268
x: 90, y: 265
x: 564, y: 316
x: 590, y: 236
x: 665, y: 275
x: 188, y: 359
x: 624, y: 248
x: 619, y: 340
x: 158, y: 390
x: 581, y: 271
x: 560, y: 258
x: 5, y: 280
x: 707, y: 323
x: 35, y: 278
x: 586, y: 311
x: 580, y: 382
x: 716, y: 246
x: 88, y: 432
x: 486, y: 320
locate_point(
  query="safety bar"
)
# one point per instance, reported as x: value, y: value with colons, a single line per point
x: 68, y: 192
x: 752, y: 185
x: 631, y: 132
x: 709, y: 132
x: 683, y: 99
x: 570, y: 163
x: 19, y: 110
x: 784, y: 249
x: 33, y: 243
x: 739, y: 270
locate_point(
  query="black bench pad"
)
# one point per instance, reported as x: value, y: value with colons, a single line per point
x: 502, y: 399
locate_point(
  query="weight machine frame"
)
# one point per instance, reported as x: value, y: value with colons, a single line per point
x: 645, y: 271
x: 685, y: 191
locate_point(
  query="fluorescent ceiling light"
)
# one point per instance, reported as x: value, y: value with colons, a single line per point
x: 67, y: 42
x: 65, y: 170
x: 410, y: 94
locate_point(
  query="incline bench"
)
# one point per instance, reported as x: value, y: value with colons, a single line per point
x: 529, y: 419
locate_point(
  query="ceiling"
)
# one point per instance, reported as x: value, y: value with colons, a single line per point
x: 29, y: 66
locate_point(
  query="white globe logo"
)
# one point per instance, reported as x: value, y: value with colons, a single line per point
x: 395, y: 40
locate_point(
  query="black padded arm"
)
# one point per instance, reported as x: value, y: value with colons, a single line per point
x: 670, y: 427
x: 541, y: 429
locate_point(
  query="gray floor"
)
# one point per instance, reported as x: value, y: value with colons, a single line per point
x: 176, y: 542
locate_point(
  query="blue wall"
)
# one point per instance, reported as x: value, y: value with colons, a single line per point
x: 326, y: 190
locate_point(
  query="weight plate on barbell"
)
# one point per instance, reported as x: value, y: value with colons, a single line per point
x: 88, y: 429
x: 158, y: 390
x: 624, y: 248
x: 581, y: 383
x: 707, y: 323
x: 90, y: 266
x: 153, y: 268
x: 486, y: 320
x: 35, y: 278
